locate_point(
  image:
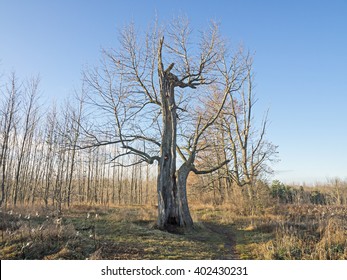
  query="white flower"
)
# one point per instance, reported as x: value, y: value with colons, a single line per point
x: 26, y: 245
x: 58, y: 221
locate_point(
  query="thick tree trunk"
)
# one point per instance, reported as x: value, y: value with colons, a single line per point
x: 185, y: 220
x: 166, y: 184
x: 173, y: 208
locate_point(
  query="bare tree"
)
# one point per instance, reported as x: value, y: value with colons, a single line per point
x: 71, y: 133
x: 250, y: 150
x: 238, y: 136
x: 8, y: 119
x: 156, y: 113
x: 30, y: 113
x: 50, y: 152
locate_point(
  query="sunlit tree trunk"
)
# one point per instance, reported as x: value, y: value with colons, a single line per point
x: 168, y: 206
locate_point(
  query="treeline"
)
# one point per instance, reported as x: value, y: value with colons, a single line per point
x: 218, y: 189
x: 333, y: 193
x: 62, y: 155
x: 46, y: 158
x: 42, y: 160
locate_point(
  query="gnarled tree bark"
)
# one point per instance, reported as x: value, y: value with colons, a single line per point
x: 171, y: 185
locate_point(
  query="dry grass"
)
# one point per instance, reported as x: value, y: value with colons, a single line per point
x: 38, y: 235
x: 303, y: 232
x: 88, y: 232
x: 129, y: 232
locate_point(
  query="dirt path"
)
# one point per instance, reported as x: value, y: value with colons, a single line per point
x: 228, y: 236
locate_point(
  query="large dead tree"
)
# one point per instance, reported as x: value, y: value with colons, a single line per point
x: 150, y: 97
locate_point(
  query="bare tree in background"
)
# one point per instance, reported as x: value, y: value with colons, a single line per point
x: 30, y: 120
x: 250, y: 150
x: 8, y: 112
x: 239, y: 137
x: 150, y: 97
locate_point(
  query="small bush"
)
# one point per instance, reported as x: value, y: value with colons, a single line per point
x: 282, y: 193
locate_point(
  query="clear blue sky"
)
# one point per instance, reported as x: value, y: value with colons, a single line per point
x: 300, y: 61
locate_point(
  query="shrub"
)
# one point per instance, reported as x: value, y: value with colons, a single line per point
x: 316, y: 197
x: 282, y: 193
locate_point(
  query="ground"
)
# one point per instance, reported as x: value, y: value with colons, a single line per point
x: 129, y: 232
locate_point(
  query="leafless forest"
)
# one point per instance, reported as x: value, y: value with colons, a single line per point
x: 78, y: 175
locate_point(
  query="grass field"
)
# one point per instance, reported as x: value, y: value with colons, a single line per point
x: 85, y: 232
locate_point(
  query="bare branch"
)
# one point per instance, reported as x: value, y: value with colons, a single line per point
x: 210, y: 170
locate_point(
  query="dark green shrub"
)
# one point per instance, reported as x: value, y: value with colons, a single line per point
x: 316, y: 197
x: 283, y: 193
